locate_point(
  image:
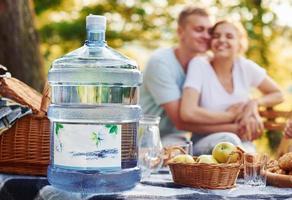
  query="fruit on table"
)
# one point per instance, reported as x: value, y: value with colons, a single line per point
x: 182, y: 159
x: 283, y: 166
x: 285, y: 162
x: 223, y: 150
x: 209, y: 159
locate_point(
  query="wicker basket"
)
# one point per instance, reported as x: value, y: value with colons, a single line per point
x: 25, y: 147
x: 202, y: 175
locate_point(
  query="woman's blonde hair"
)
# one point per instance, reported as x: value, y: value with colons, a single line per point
x: 243, y: 38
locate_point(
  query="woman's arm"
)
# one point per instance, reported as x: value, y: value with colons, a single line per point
x: 191, y: 112
x: 172, y: 110
x: 272, y: 94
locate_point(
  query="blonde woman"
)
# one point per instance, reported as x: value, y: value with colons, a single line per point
x: 217, y: 88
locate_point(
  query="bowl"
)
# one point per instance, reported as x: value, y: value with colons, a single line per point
x: 279, y: 180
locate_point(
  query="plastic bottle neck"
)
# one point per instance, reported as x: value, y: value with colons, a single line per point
x: 95, y: 38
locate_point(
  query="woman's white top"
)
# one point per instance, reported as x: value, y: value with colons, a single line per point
x: 213, y: 96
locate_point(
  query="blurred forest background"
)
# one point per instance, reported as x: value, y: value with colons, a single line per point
x: 35, y: 32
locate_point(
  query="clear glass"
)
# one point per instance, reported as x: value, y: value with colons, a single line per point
x: 150, y: 147
x: 254, y: 169
x: 172, y: 150
x: 187, y: 147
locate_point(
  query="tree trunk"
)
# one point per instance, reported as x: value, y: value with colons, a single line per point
x: 19, y: 45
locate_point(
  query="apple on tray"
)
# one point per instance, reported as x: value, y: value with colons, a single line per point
x: 223, y: 150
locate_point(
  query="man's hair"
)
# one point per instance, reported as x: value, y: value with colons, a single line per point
x: 243, y: 38
x: 190, y: 10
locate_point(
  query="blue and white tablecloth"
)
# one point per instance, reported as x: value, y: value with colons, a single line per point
x: 160, y: 186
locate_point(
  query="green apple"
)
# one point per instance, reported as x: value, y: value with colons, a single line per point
x: 207, y: 159
x: 189, y: 159
x: 183, y: 159
x: 223, y: 150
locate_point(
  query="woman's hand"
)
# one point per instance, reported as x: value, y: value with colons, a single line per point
x: 250, y: 128
x: 288, y: 129
x: 250, y: 122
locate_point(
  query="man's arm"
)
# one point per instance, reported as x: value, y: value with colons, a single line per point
x: 172, y: 111
x: 192, y: 112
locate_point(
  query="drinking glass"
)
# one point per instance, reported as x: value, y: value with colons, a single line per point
x: 187, y: 146
x: 173, y: 150
x: 150, y: 147
x: 254, y: 169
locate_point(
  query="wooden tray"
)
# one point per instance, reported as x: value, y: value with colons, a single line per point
x: 279, y: 180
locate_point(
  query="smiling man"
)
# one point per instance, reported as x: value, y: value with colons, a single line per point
x: 165, y: 74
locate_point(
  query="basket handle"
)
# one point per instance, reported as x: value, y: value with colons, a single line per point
x: 168, y: 153
x: 46, y: 100
x: 169, y: 150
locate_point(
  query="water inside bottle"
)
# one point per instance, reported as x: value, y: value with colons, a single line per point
x: 94, y: 116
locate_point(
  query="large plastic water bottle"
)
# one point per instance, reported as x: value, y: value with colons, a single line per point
x: 94, y: 117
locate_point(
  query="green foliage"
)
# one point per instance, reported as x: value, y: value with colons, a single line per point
x: 42, y: 5
x: 274, y: 138
x: 126, y: 23
x: 63, y: 30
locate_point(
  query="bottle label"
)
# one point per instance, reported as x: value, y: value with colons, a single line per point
x: 87, y: 146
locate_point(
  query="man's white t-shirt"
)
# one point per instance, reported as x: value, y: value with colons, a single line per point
x: 163, y: 80
x: 213, y: 96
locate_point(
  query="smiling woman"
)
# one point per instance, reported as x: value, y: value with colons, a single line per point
x: 235, y: 33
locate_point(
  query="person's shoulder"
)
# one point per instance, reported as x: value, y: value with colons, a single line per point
x: 247, y: 64
x: 161, y: 53
x: 160, y: 59
x: 158, y: 63
x: 200, y: 60
x: 243, y: 61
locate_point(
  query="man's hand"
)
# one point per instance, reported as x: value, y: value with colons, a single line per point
x: 250, y: 128
x: 236, y: 110
x: 250, y: 109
